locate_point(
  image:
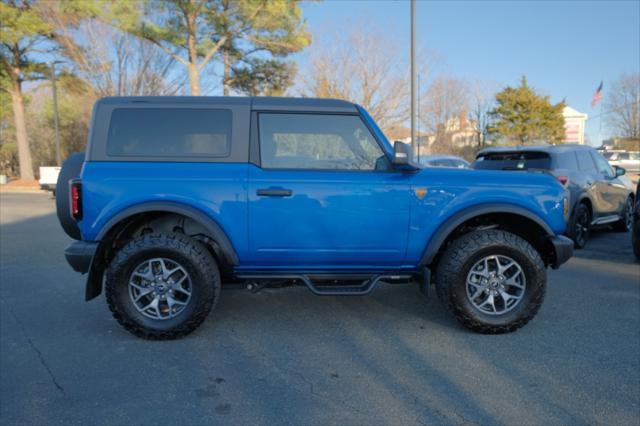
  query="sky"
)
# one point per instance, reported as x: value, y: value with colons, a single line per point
x: 565, y: 48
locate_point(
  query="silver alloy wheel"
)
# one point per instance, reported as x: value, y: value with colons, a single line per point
x: 495, y: 284
x: 628, y: 214
x: 160, y: 288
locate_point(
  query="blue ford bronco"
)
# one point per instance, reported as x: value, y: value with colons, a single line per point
x: 179, y: 197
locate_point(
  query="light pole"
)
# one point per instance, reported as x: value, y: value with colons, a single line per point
x: 55, y: 113
x: 414, y: 84
x: 418, y: 114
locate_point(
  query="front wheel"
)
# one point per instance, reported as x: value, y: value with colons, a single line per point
x: 492, y: 281
x: 162, y: 286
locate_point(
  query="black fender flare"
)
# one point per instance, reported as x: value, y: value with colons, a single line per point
x: 449, y: 225
x: 216, y: 232
x: 98, y: 265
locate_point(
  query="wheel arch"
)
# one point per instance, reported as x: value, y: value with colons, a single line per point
x: 584, y: 199
x: 197, y: 215
x: 517, y: 220
x: 220, y: 244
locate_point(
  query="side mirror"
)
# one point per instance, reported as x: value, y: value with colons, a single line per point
x: 401, y: 153
x: 619, y: 170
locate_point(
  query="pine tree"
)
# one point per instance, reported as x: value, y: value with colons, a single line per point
x: 195, y: 32
x: 523, y: 117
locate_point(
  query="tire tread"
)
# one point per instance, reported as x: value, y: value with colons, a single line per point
x: 459, y: 252
x: 187, y: 246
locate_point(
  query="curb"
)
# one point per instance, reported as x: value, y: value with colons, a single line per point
x: 18, y: 189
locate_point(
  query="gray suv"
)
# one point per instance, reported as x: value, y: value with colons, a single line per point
x: 599, y: 193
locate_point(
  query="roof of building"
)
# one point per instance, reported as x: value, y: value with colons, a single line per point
x: 570, y: 112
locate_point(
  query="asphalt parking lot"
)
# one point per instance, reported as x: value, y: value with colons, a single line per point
x: 288, y: 357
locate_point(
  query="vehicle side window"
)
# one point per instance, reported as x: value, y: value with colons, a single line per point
x: 318, y: 142
x: 441, y: 163
x: 585, y: 162
x: 169, y: 132
x: 567, y: 160
x: 603, y: 165
x: 623, y: 156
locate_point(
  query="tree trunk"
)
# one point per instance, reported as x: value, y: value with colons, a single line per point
x: 194, y: 78
x: 194, y: 74
x: 226, y: 78
x: 227, y: 72
x: 24, y: 151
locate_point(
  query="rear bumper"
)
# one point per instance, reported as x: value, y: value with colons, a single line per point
x: 79, y: 254
x: 562, y: 250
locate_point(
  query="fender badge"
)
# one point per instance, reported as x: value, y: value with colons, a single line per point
x: 420, y: 192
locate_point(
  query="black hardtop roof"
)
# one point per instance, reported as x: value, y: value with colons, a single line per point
x: 256, y: 102
x: 550, y: 149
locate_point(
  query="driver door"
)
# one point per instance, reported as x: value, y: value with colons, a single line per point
x: 325, y: 196
x: 611, y: 191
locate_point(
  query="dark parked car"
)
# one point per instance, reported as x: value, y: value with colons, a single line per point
x: 444, y: 161
x: 635, y: 233
x: 599, y: 194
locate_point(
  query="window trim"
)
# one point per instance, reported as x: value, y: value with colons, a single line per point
x: 256, y: 154
x: 185, y: 157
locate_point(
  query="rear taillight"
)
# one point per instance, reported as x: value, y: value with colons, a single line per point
x: 75, y: 194
x: 563, y: 180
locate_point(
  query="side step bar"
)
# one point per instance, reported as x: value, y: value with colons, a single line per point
x: 366, y: 287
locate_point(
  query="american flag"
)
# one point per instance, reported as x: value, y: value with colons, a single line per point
x: 597, y: 96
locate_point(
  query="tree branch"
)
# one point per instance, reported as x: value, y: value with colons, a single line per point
x: 212, y: 52
x: 167, y: 51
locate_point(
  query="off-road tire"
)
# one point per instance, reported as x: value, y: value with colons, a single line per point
x: 582, y: 212
x: 463, y: 253
x: 197, y: 261
x: 625, y: 223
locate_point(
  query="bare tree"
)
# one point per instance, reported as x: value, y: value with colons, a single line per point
x: 114, y: 63
x: 481, y: 100
x: 623, y: 106
x: 361, y: 67
x: 443, y: 111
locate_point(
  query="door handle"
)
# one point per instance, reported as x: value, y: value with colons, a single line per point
x: 274, y: 192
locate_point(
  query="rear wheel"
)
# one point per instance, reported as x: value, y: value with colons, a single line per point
x: 626, y: 219
x: 492, y: 281
x: 580, y: 226
x: 162, y: 286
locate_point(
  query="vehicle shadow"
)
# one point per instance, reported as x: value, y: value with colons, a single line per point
x: 606, y: 244
x: 278, y: 356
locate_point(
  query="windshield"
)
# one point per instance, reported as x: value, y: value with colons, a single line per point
x: 519, y: 160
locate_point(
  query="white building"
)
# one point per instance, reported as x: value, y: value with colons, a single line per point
x: 574, y: 123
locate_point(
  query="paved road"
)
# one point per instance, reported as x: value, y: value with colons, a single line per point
x: 289, y: 357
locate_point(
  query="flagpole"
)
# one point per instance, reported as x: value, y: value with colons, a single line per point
x: 600, y: 130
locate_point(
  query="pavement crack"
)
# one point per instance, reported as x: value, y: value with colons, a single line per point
x: 307, y: 381
x: 33, y: 346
